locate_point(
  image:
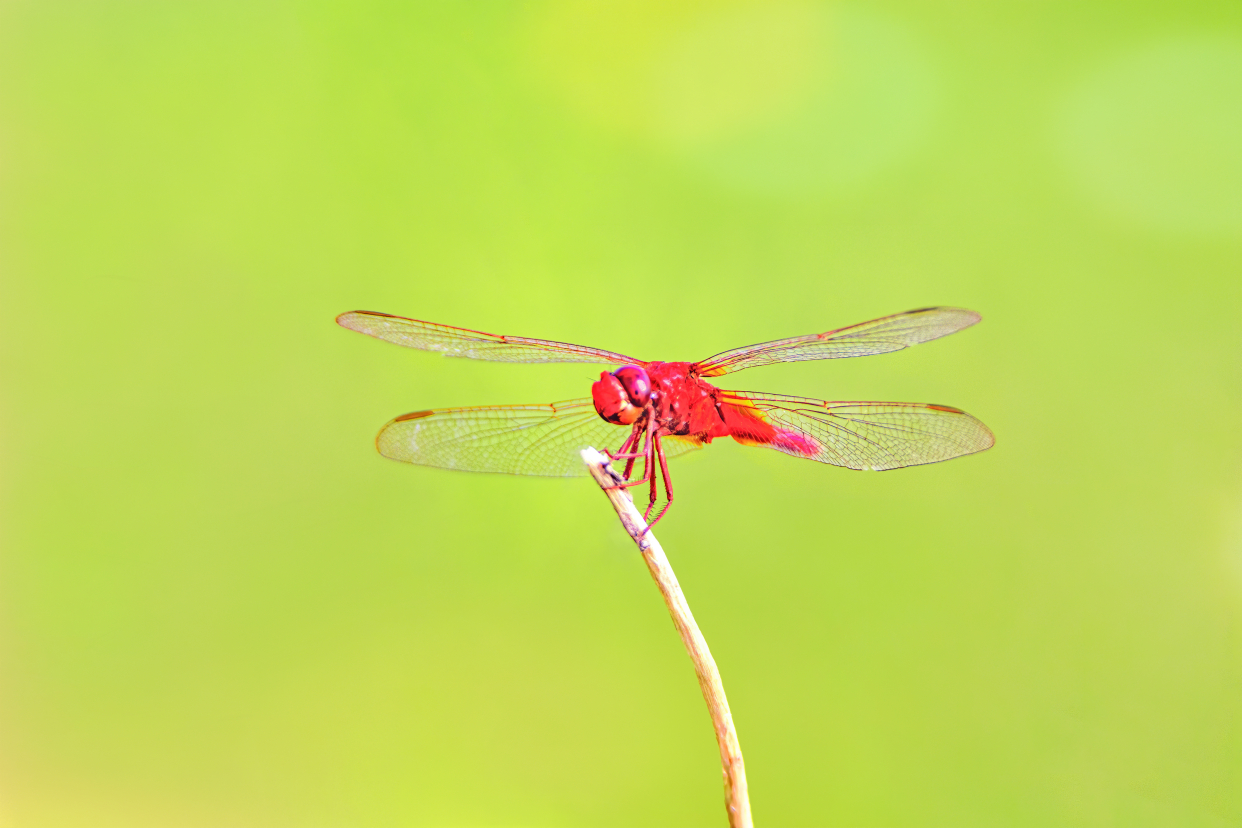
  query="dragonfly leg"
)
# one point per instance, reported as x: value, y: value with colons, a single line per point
x: 652, y: 448
x: 624, y: 452
x: 668, y: 484
x: 630, y: 459
x: 629, y: 467
x: 628, y: 451
x: 654, y: 497
x: 628, y: 483
x: 648, y: 470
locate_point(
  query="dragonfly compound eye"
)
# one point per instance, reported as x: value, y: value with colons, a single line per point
x: 636, y: 383
x: 612, y: 402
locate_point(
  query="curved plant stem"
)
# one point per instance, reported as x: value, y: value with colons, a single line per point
x: 736, y: 800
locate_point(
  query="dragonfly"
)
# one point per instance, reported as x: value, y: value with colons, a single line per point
x: 649, y: 412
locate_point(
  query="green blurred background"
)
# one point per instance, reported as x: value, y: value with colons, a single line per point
x: 220, y: 606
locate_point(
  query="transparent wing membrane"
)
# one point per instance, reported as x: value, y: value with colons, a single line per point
x: 513, y: 439
x: 879, y: 336
x: 461, y: 342
x: 676, y: 445
x: 865, y: 435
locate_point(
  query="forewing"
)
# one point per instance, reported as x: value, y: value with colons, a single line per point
x: 460, y: 342
x: 866, y: 435
x: 879, y: 336
x: 513, y: 439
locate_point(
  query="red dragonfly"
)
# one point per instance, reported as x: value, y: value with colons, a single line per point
x: 652, y: 411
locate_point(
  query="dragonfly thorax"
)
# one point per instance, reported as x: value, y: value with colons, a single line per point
x: 681, y: 402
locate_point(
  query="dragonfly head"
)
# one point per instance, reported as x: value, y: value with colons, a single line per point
x: 621, y: 396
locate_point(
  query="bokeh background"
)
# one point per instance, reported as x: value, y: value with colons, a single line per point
x: 219, y: 606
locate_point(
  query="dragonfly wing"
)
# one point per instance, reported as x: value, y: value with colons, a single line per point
x: 675, y: 445
x: 512, y: 439
x: 460, y: 342
x: 879, y: 336
x: 859, y: 435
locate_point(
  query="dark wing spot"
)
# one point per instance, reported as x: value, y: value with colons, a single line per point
x: 947, y: 408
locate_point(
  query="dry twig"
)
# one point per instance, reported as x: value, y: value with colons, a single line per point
x: 736, y: 800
